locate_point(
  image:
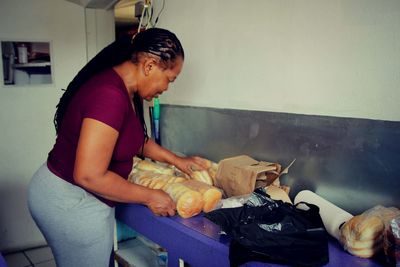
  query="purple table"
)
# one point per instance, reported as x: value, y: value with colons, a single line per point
x: 197, y: 240
x: 2, y: 261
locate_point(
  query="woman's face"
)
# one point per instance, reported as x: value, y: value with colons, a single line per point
x: 158, y: 79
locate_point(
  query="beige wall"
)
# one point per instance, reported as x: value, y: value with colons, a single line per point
x: 325, y: 57
x: 26, y: 112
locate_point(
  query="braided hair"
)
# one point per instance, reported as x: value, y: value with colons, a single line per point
x: 155, y: 41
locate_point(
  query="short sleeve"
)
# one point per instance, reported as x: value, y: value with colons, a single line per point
x: 108, y: 105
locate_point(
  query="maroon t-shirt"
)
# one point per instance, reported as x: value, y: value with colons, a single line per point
x: 106, y: 99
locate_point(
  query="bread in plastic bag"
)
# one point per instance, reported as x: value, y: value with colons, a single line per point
x: 211, y: 194
x: 363, y: 234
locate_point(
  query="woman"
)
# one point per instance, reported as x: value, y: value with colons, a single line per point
x: 100, y: 128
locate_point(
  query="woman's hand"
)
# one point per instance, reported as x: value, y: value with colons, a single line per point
x: 185, y: 164
x: 190, y: 164
x: 160, y: 203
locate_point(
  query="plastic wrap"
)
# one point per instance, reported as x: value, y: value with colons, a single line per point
x: 190, y: 198
x: 147, y: 165
x: 363, y: 235
x: 391, y: 243
x: 202, y: 176
x: 188, y: 202
x: 208, y: 175
x: 211, y: 195
x: 154, y: 180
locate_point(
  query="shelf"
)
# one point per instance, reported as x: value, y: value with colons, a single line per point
x: 34, y: 67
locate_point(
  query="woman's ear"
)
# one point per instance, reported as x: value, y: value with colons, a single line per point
x: 149, y: 65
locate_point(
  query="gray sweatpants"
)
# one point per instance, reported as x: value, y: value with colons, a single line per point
x: 77, y: 226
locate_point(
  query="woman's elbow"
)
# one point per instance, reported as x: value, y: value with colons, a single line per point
x: 83, y: 179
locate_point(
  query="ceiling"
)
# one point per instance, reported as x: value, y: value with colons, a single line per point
x: 100, y: 4
x: 124, y: 10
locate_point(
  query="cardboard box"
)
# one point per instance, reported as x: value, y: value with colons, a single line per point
x: 240, y: 175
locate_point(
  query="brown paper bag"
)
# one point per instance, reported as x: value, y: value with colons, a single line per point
x: 240, y: 175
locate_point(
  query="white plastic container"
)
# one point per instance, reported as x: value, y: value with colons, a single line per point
x: 22, y: 54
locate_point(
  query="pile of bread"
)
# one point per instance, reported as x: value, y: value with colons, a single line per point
x: 364, y: 235
x: 191, y: 194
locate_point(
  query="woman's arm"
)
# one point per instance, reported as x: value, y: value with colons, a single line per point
x: 93, y: 155
x: 186, y: 164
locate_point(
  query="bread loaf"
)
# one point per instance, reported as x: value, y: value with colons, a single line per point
x: 362, y: 235
x: 202, y: 176
x: 153, y: 180
x: 190, y: 198
x: 208, y: 175
x: 212, y: 171
x: 188, y: 202
x: 367, y: 252
x: 210, y: 194
x: 146, y: 165
x: 209, y: 163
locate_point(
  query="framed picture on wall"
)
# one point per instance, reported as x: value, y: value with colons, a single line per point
x: 26, y: 62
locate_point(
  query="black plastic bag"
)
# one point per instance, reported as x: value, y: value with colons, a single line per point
x: 275, y: 232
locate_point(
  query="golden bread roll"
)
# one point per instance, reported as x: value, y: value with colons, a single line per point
x: 202, y: 176
x: 366, y: 244
x: 214, y: 165
x: 364, y: 227
x: 208, y: 163
x: 159, y: 182
x: 367, y: 252
x: 211, y: 195
x: 188, y: 202
x: 138, y: 177
x: 143, y: 178
x: 213, y: 173
x: 362, y: 235
x: 153, y: 180
x: 190, y: 199
x: 178, y: 179
x: 146, y: 165
x: 145, y: 181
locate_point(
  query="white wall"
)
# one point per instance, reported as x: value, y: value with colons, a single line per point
x: 26, y: 112
x: 325, y: 57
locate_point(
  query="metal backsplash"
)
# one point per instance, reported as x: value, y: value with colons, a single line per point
x: 354, y: 163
